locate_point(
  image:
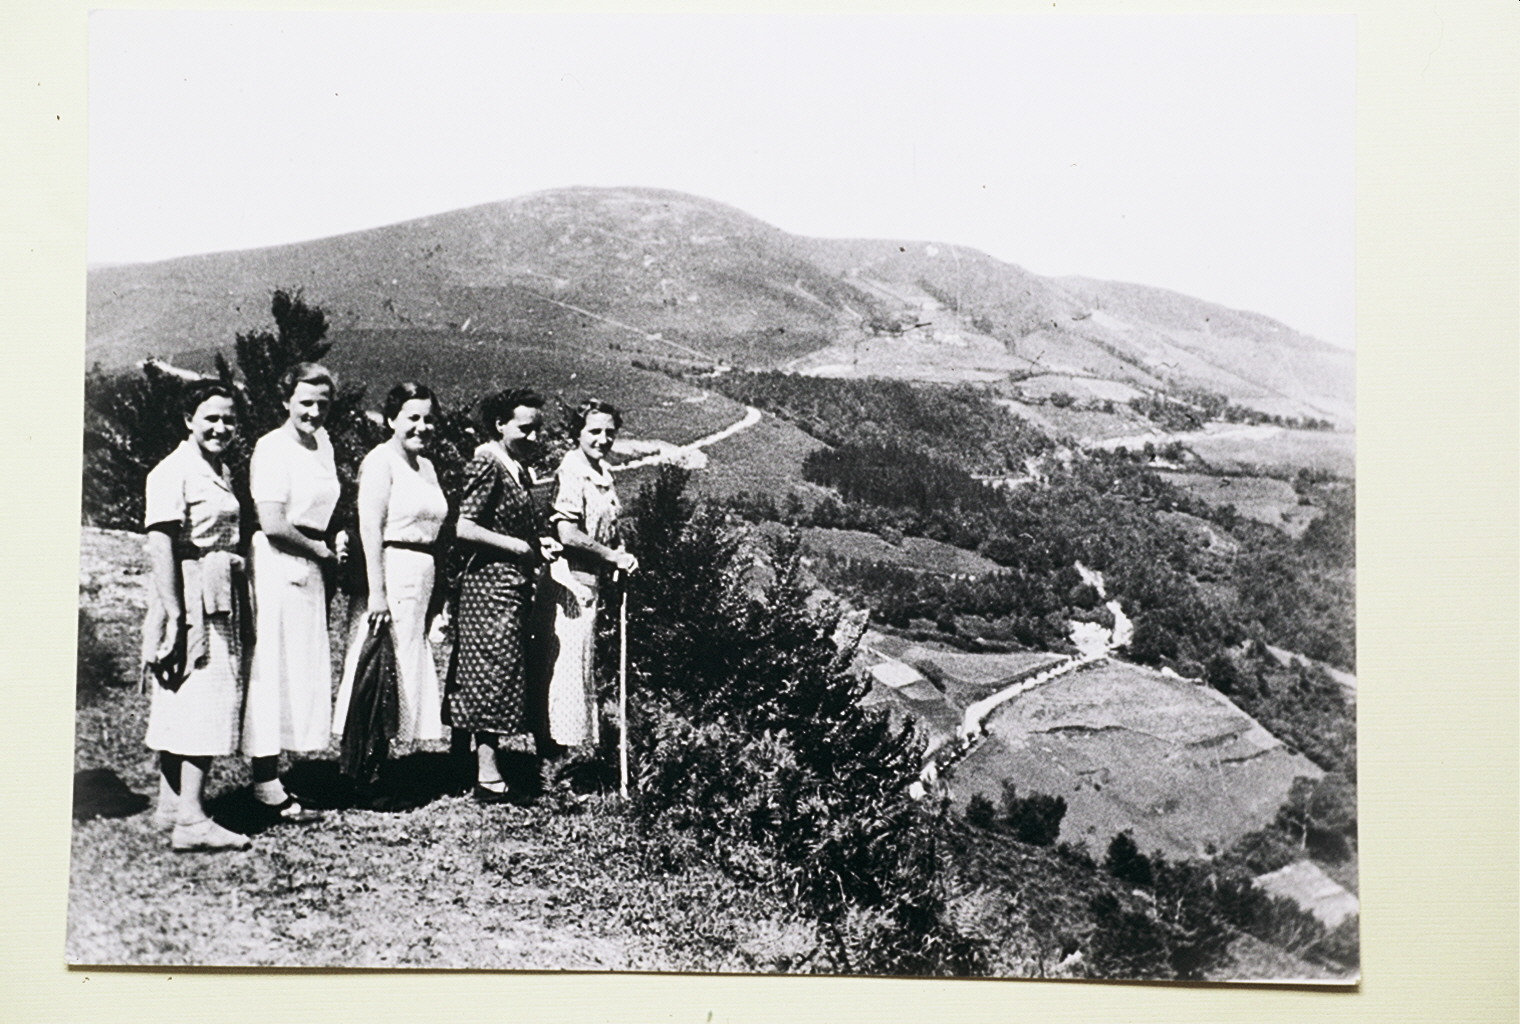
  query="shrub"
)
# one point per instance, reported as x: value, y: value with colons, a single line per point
x: 1125, y: 861
x: 1033, y: 819
x: 750, y: 733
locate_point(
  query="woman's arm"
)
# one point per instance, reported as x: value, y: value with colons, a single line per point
x: 283, y: 534
x: 573, y: 537
x: 374, y: 500
x: 166, y: 588
x: 473, y: 533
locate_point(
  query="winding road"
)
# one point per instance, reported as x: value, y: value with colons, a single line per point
x: 674, y: 452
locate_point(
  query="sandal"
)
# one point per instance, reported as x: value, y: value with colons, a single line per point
x: 206, y: 836
x: 290, y: 812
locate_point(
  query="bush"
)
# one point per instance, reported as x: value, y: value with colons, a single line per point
x: 749, y: 732
x: 1126, y: 863
x: 1033, y: 819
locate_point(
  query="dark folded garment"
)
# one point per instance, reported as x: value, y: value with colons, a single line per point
x: 374, y: 712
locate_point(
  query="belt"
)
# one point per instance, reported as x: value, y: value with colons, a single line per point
x: 410, y: 545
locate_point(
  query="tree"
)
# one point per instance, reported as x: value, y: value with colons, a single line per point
x: 262, y: 357
x: 750, y: 734
x: 1033, y: 819
x: 1125, y: 861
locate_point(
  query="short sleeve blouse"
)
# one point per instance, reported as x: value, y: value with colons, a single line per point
x: 304, y: 480
x: 186, y: 491
x: 586, y: 497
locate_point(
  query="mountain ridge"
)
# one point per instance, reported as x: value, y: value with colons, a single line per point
x: 666, y: 274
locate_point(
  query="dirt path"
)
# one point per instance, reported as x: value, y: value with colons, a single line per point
x: 674, y: 452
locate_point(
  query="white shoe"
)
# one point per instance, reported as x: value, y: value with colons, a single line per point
x: 206, y: 836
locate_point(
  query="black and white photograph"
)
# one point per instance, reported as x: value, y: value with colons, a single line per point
x: 723, y: 494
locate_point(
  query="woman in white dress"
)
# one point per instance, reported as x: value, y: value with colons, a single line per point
x: 190, y: 636
x: 585, y: 517
x: 294, y: 483
x: 401, y: 511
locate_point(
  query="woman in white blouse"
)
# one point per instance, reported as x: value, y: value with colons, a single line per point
x: 402, y: 508
x: 585, y: 516
x: 294, y: 483
x: 191, y: 645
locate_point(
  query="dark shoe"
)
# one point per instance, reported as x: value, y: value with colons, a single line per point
x: 493, y: 796
x: 290, y: 812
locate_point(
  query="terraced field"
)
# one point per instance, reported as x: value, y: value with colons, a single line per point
x: 1174, y: 762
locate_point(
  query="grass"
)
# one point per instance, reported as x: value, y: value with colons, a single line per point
x: 447, y: 884
x: 1264, y: 499
x: 1171, y: 760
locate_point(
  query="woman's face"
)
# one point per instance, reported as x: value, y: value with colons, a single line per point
x: 597, y: 435
x: 521, y: 433
x: 308, y: 406
x: 213, y: 425
x: 412, y: 426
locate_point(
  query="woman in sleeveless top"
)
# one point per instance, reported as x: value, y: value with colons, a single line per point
x: 294, y: 482
x: 402, y: 508
x: 191, y: 646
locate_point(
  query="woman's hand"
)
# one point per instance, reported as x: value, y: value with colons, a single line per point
x: 549, y: 549
x: 340, y: 547
x: 623, y: 561
x: 171, y: 649
x: 378, y: 612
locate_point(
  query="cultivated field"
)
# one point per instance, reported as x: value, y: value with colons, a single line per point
x: 1264, y: 499
x: 1128, y: 748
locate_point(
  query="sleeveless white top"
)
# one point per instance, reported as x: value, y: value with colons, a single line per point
x: 416, y: 507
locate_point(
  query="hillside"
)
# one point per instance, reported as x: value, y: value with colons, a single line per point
x: 625, y: 274
x: 1176, y: 763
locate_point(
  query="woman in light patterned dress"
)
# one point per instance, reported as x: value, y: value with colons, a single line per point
x: 401, y: 511
x: 190, y: 637
x: 294, y: 483
x: 585, y: 517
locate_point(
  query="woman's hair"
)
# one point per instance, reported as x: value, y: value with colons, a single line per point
x: 575, y: 418
x: 503, y: 404
x: 306, y: 373
x: 407, y: 391
x: 197, y: 393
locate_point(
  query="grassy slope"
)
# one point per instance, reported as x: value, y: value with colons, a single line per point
x: 1175, y: 762
x: 449, y: 884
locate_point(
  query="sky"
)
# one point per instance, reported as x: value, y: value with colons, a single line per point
x: 1212, y: 154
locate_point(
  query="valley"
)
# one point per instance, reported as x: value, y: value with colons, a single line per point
x: 952, y: 441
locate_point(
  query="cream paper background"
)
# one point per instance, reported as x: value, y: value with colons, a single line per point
x: 1438, y: 332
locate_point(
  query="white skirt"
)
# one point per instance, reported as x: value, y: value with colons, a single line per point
x: 289, y: 705
x: 408, y: 589
x: 572, y: 680
x: 200, y: 718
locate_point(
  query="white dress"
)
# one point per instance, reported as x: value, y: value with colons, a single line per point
x: 415, y: 509
x: 289, y: 705
x: 586, y: 498
x: 199, y: 718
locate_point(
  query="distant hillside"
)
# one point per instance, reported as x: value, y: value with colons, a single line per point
x: 622, y: 274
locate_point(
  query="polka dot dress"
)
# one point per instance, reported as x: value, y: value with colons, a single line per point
x: 487, y: 681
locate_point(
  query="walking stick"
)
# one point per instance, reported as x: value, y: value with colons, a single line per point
x: 623, y: 690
